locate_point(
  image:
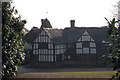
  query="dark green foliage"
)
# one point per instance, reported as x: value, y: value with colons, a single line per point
x: 114, y: 54
x: 12, y: 43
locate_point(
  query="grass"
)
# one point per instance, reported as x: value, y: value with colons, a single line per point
x: 79, y: 73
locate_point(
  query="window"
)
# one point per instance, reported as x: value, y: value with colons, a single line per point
x: 36, y: 51
x: 36, y: 45
x: 33, y: 51
x: 69, y: 57
x: 39, y: 51
x: 79, y: 45
x: 85, y: 38
x: 86, y: 50
x: 86, y: 44
x: 60, y: 49
x: 92, y: 44
x: 50, y: 46
x: 92, y: 51
x: 79, y: 51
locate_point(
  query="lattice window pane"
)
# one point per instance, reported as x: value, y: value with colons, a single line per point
x: 79, y: 51
x: 92, y: 51
x: 79, y: 45
x: 51, y: 57
x: 86, y: 50
x: 33, y: 51
x: 36, y: 51
x: 92, y: 44
x: 85, y: 38
x: 39, y: 58
x: 36, y: 45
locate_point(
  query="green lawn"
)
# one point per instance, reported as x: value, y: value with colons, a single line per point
x: 79, y: 73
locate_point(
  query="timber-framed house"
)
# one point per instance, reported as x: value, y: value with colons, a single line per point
x: 72, y: 45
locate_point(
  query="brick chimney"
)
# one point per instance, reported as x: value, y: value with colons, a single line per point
x: 45, y: 23
x: 72, y: 23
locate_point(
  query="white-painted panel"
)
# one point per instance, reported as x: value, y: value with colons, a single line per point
x: 51, y: 51
x: 36, y: 45
x: 57, y: 51
x: 39, y: 38
x: 92, y: 44
x: 49, y: 40
x: 79, y: 45
x: 58, y: 46
x: 39, y: 57
x: 92, y: 51
x: 33, y: 51
x: 86, y: 50
x: 85, y: 33
x: 42, y: 58
x: 51, y: 57
x: 48, y: 51
x: 92, y: 39
x: 79, y: 51
x: 36, y: 40
x: 39, y: 51
x: 45, y: 57
x: 85, y: 38
x: 50, y: 46
x: 36, y: 51
x: 79, y: 39
x: 43, y: 51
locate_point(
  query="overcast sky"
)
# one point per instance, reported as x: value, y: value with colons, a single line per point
x: 86, y: 13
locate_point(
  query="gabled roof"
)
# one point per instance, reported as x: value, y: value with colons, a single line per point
x: 31, y: 35
x: 71, y: 35
x: 54, y: 34
x: 68, y: 35
x: 45, y: 23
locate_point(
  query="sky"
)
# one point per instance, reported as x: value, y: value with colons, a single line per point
x: 86, y: 13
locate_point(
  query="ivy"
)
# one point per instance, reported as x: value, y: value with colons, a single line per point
x: 12, y: 43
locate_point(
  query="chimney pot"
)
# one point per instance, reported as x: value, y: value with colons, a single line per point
x: 72, y: 23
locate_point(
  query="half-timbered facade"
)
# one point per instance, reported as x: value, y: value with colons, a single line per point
x: 74, y: 45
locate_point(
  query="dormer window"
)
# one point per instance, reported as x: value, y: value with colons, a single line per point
x: 85, y: 44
